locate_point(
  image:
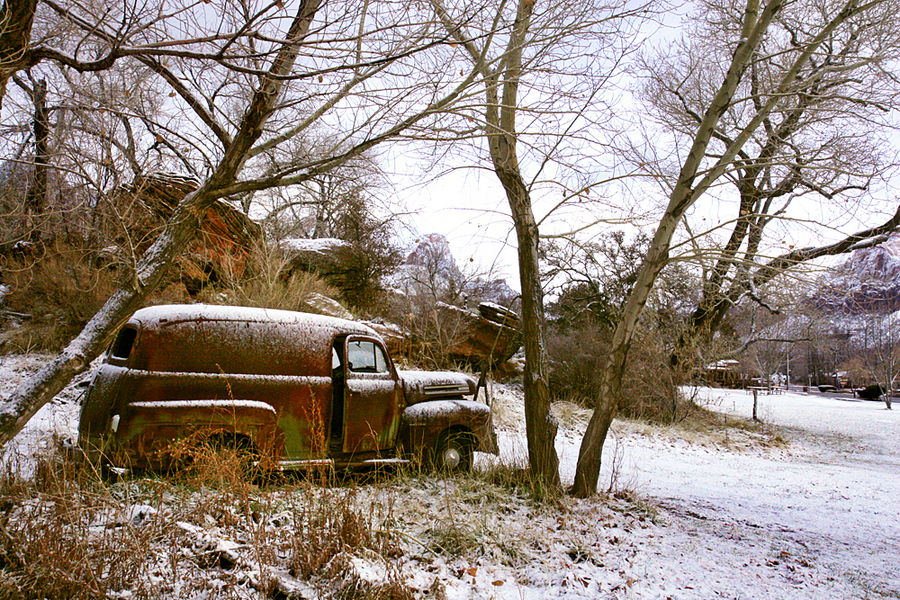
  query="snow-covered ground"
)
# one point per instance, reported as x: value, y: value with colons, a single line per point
x: 821, y: 520
x: 818, y: 517
x: 695, y: 516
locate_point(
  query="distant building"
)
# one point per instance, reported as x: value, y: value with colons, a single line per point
x: 724, y: 373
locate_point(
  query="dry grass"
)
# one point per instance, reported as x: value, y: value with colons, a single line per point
x: 263, y: 284
x: 59, y: 290
x: 703, y: 426
x: 64, y: 533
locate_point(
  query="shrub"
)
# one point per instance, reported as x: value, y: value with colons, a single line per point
x: 60, y: 290
x: 649, y: 388
x: 871, y: 392
x: 66, y: 534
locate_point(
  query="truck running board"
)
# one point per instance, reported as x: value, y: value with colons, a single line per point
x: 316, y: 463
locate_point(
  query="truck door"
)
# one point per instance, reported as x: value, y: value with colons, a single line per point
x: 371, y: 399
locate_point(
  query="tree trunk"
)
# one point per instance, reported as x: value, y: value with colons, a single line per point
x: 590, y: 455
x: 684, y: 193
x: 36, y: 198
x: 694, y: 179
x: 16, y: 18
x: 540, y: 425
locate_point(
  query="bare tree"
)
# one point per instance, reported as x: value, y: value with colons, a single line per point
x: 710, y: 157
x: 880, y: 352
x: 542, y: 70
x: 282, y: 72
x: 824, y: 145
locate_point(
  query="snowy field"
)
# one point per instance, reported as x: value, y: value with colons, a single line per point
x: 816, y: 518
x: 821, y: 520
x: 694, y: 517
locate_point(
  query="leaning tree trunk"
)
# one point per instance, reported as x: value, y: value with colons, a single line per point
x: 180, y: 229
x: 691, y: 184
x: 684, y: 193
x: 590, y: 455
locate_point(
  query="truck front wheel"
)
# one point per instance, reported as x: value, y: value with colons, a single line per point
x: 454, y: 452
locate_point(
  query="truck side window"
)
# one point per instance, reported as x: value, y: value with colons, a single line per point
x: 335, y: 358
x: 121, y: 348
x: 366, y: 357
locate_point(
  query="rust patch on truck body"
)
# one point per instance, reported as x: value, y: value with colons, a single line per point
x: 296, y: 388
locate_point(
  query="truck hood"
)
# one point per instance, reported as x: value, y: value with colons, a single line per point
x: 421, y: 386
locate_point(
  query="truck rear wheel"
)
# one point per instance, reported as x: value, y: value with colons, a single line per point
x: 454, y: 452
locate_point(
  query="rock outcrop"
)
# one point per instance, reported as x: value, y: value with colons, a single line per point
x: 222, y: 248
x: 867, y: 282
x: 338, y: 262
x: 484, y: 339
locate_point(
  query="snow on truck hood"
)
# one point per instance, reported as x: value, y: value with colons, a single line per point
x: 428, y: 412
x: 420, y: 386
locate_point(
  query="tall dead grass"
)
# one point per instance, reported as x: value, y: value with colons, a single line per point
x: 65, y: 533
x: 264, y: 284
x: 58, y: 289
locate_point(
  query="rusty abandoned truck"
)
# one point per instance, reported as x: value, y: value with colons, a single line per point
x: 295, y: 389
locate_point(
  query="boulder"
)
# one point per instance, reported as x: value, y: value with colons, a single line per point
x: 226, y: 238
x: 324, y: 305
x: 338, y: 262
x: 498, y: 314
x: 479, y: 339
x: 398, y: 341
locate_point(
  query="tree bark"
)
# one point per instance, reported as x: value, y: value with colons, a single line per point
x: 540, y: 425
x: 16, y: 19
x: 180, y: 229
x: 36, y: 197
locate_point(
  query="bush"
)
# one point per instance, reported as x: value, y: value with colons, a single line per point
x: 649, y: 388
x: 576, y: 359
x: 871, y: 392
x: 263, y: 284
x: 60, y: 290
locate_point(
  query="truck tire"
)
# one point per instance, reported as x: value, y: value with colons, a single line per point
x: 454, y: 452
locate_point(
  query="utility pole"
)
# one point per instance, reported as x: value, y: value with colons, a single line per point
x: 787, y: 383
